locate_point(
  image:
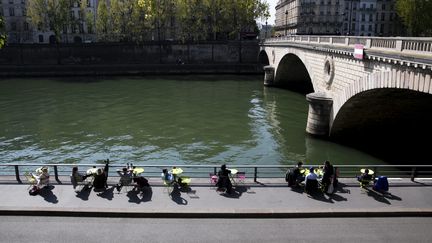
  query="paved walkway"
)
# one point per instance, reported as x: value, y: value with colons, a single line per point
x: 268, y: 198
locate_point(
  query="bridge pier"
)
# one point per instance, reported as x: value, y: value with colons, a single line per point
x: 269, y: 75
x: 320, y: 107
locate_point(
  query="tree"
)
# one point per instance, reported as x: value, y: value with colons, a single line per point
x: 416, y: 14
x: 103, y: 28
x: 49, y: 15
x: 2, y: 35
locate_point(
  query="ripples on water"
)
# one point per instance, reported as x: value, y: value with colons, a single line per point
x: 178, y: 120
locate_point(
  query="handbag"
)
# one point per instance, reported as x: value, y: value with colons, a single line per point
x: 330, y: 189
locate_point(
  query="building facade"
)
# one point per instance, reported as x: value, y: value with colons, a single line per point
x: 338, y: 17
x: 20, y: 30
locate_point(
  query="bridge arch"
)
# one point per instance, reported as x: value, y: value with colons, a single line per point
x: 386, y: 113
x: 263, y: 58
x: 293, y: 74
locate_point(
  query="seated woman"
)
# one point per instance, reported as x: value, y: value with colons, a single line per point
x: 41, y: 176
x: 77, y: 177
x: 224, y: 180
x: 100, y: 178
x: 167, y: 177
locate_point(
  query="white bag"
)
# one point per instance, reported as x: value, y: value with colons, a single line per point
x: 330, y: 189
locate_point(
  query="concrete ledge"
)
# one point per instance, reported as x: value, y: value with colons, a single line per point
x: 212, y: 214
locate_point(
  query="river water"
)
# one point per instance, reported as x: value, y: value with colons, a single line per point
x: 160, y: 120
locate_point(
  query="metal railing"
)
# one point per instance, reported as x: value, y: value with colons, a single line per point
x: 203, y: 171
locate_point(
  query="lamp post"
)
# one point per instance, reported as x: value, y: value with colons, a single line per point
x: 266, y: 27
x: 286, y: 21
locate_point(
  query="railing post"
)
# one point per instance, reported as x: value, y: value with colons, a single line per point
x: 255, y: 174
x: 214, y: 170
x: 376, y: 171
x: 413, y: 173
x: 56, y: 174
x: 17, y: 174
x: 399, y: 45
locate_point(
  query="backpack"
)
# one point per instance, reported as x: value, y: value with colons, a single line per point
x: 381, y: 184
x: 34, y: 191
x: 287, y: 175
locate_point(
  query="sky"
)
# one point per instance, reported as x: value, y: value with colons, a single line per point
x: 272, y: 4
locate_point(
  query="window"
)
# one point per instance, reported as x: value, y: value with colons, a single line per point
x: 370, y: 27
x: 352, y: 26
x: 79, y: 14
x: 370, y: 17
x: 382, y: 28
x: 26, y: 26
x: 11, y: 12
x: 81, y: 28
x: 382, y: 16
x: 391, y: 16
x: 24, y: 11
x: 13, y: 26
x: 41, y: 39
x: 73, y: 28
x: 72, y: 15
x: 11, y: 1
x: 383, y: 6
x: 362, y: 28
x: 363, y: 17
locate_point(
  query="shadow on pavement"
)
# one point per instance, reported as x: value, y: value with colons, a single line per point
x: 319, y: 196
x: 84, y: 193
x: 107, y: 194
x: 337, y: 198
x: 236, y: 192
x: 377, y: 196
x: 138, y: 196
x: 48, y: 195
x: 176, y: 196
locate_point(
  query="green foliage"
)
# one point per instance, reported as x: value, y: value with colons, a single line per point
x: 2, y: 35
x: 49, y: 15
x: 416, y: 15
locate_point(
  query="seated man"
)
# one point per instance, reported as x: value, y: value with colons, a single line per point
x: 100, y: 178
x: 311, y: 184
x: 295, y: 176
x: 224, y: 180
x: 167, y: 177
x: 126, y: 175
x: 41, y: 177
x: 364, y: 178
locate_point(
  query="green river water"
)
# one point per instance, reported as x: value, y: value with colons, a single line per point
x: 160, y: 120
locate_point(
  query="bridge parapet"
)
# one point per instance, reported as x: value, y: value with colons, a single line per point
x: 417, y: 50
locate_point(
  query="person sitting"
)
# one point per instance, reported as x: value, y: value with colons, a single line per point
x: 327, y: 178
x: 311, y: 182
x: 77, y: 177
x: 224, y: 181
x: 365, y: 178
x: 126, y: 175
x: 100, y: 178
x: 141, y: 183
x: 295, y: 176
x: 41, y: 177
x: 167, y: 177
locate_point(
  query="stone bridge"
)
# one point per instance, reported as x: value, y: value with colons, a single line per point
x: 360, y: 89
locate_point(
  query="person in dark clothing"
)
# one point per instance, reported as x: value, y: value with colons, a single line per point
x: 141, y: 182
x: 100, y: 178
x: 224, y: 180
x: 328, y: 173
x: 295, y: 176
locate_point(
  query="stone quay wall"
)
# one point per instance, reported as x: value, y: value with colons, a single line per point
x: 129, y: 58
